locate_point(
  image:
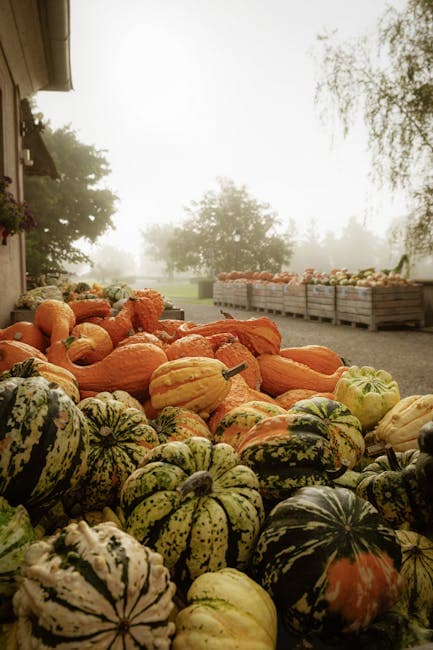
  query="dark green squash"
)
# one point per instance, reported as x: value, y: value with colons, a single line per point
x: 43, y: 441
x: 391, y: 484
x: 329, y: 561
x: 345, y: 431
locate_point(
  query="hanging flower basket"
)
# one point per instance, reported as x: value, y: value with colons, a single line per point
x: 15, y: 216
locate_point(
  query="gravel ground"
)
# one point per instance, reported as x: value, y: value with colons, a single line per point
x: 406, y: 353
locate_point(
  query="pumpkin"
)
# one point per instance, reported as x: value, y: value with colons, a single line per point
x: 329, y: 561
x: 177, y: 423
x: 144, y: 312
x: 195, y: 383
x: 400, y: 426
x: 233, y: 353
x: 99, y: 341
x: 127, y: 368
x: 141, y: 337
x: 119, y: 440
x: 153, y: 295
x: 239, y: 393
x: 12, y: 352
x: 85, y: 308
x: 258, y: 334
x: 368, y: 393
x: 25, y: 332
x: 55, y: 319
x: 16, y: 534
x: 416, y: 571
x: 290, y: 397
x: 33, y: 367
x: 226, y: 609
x: 44, y: 442
x: 93, y: 587
x: 193, y: 345
x: 193, y: 502
x: 239, y: 420
x: 287, y: 452
x: 317, y: 357
x: 118, y: 327
x: 391, y: 484
x: 344, y: 428
x: 280, y: 374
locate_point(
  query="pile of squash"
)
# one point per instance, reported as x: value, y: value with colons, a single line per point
x: 168, y: 484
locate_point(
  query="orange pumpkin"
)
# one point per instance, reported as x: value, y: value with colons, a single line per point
x: 12, y: 352
x: 25, y: 332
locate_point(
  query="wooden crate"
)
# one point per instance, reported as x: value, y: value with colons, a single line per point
x: 274, y: 297
x: 230, y: 294
x: 258, y: 296
x: 321, y: 302
x: 218, y: 292
x: 242, y: 294
x: 295, y: 299
x: 378, y: 306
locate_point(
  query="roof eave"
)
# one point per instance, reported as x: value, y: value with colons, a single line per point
x: 56, y: 34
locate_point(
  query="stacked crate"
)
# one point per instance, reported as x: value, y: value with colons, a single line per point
x: 380, y: 305
x: 295, y: 299
x: 321, y: 302
x: 258, y: 296
x: 242, y: 295
x: 275, y: 297
x: 218, y: 292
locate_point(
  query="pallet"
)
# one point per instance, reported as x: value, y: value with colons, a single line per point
x: 295, y: 300
x: 321, y: 302
x: 380, y: 306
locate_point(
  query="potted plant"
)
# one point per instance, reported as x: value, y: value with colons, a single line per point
x: 15, y: 216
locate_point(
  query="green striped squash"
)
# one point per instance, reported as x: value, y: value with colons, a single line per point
x: 417, y: 575
x: 43, y: 442
x: 235, y: 424
x: 344, y: 429
x: 119, y: 291
x: 179, y: 423
x: 287, y: 452
x: 390, y: 483
x: 329, y: 561
x: 195, y: 504
x: 93, y: 587
x: 16, y: 534
x: 119, y: 440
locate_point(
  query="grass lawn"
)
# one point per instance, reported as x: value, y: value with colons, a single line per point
x: 187, y: 292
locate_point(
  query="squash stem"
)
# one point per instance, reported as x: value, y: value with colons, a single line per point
x: 200, y: 483
x: 338, y: 471
x: 392, y: 458
x: 235, y: 370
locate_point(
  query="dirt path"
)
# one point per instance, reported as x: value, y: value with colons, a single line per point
x: 406, y: 353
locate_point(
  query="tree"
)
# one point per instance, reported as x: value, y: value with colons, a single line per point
x: 389, y: 81
x: 156, y: 240
x: 75, y: 206
x: 229, y: 230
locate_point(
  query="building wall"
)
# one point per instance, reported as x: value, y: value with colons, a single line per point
x: 12, y: 255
